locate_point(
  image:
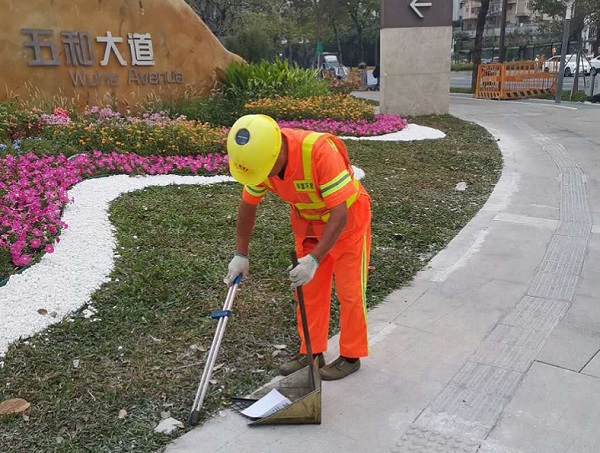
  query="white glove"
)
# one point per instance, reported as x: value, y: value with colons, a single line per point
x: 304, y: 271
x: 238, y: 265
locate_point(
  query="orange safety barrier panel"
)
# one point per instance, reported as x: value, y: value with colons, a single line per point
x: 514, y: 80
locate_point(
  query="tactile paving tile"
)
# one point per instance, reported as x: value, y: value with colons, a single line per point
x: 424, y: 440
x: 564, y: 255
x: 573, y: 199
x: 487, y: 378
x: 562, y: 159
x: 548, y: 285
x: 502, y: 355
x: 536, y: 314
x: 574, y: 229
x: 466, y: 406
x: 524, y: 337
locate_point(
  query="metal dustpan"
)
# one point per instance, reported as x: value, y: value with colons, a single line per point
x: 302, y: 388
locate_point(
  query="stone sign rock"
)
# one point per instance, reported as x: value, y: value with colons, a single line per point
x: 97, y: 51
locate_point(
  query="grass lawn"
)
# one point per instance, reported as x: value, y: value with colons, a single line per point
x: 146, y: 352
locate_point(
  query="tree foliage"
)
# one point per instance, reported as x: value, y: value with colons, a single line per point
x: 587, y: 13
x: 480, y: 28
x: 292, y: 28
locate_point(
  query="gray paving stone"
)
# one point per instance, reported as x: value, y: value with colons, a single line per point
x: 570, y: 346
x: 469, y: 322
x: 585, y: 312
x: 589, y: 283
x: 593, y: 367
x: 551, y: 411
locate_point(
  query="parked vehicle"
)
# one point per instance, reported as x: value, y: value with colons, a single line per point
x: 595, y: 65
x: 553, y: 65
x: 330, y: 64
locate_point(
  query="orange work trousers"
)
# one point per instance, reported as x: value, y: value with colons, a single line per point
x: 348, y: 262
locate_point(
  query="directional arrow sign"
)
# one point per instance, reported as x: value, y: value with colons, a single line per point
x: 415, y: 5
x: 425, y: 13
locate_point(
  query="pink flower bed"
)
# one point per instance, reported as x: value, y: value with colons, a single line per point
x: 33, y: 191
x: 383, y: 124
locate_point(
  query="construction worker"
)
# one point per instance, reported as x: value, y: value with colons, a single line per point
x: 331, y: 221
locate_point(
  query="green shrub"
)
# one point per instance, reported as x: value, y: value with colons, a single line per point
x: 41, y: 146
x: 216, y: 110
x: 264, y: 80
x: 461, y: 67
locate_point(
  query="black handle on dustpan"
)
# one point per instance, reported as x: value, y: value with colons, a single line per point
x: 300, y: 294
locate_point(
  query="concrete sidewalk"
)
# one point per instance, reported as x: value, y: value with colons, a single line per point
x: 493, y: 347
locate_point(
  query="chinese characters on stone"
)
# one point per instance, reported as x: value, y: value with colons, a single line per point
x: 78, y: 48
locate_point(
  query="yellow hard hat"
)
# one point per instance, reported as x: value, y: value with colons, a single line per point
x: 253, y: 145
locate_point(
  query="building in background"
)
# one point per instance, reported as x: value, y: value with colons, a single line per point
x: 456, y: 10
x: 519, y: 18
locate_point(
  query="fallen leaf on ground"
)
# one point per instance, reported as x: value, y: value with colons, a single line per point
x: 14, y: 406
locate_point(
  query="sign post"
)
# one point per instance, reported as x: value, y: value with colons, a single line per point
x: 564, y: 49
x: 415, y: 56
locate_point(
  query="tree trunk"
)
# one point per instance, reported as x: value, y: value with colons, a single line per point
x: 597, y: 39
x: 485, y: 6
x: 337, y: 39
x: 361, y: 44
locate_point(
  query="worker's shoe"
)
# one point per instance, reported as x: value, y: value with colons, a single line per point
x: 296, y: 365
x: 338, y: 369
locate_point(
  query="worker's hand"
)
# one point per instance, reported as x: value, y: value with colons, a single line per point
x: 304, y: 271
x: 238, y: 265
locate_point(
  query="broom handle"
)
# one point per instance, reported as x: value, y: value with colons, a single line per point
x: 300, y: 294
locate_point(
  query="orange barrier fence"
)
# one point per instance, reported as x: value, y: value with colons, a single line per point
x: 514, y: 80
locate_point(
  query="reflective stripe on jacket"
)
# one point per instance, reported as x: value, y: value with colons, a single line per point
x: 318, y: 176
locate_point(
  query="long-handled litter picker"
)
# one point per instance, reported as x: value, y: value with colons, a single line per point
x: 223, y: 317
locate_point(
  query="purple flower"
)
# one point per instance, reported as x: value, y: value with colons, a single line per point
x: 383, y: 124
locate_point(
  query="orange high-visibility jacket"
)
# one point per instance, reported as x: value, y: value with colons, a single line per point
x: 318, y: 177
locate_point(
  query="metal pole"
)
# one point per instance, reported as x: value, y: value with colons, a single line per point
x: 563, y: 51
x: 503, y: 30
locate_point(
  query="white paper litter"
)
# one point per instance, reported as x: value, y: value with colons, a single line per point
x: 168, y: 425
x: 267, y: 405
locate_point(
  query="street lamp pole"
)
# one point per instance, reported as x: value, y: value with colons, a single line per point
x: 563, y: 51
x: 503, y: 30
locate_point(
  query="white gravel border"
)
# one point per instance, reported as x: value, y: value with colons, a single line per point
x: 64, y: 281
x: 411, y: 132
